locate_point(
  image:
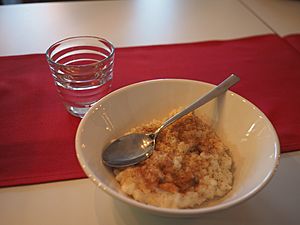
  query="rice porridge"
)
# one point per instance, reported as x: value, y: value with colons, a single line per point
x: 189, y: 166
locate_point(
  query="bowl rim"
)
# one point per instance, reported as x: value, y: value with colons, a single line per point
x: 172, y: 211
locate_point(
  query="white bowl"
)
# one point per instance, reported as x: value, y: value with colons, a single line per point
x: 239, y: 123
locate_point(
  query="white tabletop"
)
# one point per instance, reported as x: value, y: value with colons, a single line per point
x: 31, y: 28
x: 283, y: 17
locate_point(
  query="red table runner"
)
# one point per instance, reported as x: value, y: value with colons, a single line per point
x: 294, y: 40
x: 37, y: 134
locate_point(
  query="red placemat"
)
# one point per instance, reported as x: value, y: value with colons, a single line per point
x: 293, y: 40
x: 37, y: 134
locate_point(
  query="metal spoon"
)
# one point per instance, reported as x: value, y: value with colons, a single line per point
x: 134, y: 148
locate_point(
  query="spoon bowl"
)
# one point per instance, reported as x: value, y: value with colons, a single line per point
x: 129, y: 150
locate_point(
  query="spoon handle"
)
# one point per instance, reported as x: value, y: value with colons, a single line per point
x: 222, y: 87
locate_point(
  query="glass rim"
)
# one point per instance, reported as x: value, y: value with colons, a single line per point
x: 78, y: 37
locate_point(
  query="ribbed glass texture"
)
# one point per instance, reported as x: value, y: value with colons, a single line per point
x: 82, y: 68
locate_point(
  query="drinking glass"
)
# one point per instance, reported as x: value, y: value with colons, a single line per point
x: 82, y: 68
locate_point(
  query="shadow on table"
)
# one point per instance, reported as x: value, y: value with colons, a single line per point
x: 265, y: 208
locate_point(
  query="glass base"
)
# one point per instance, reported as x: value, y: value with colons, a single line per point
x: 76, y: 111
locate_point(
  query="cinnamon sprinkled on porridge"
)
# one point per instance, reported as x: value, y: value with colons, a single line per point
x: 190, y: 166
